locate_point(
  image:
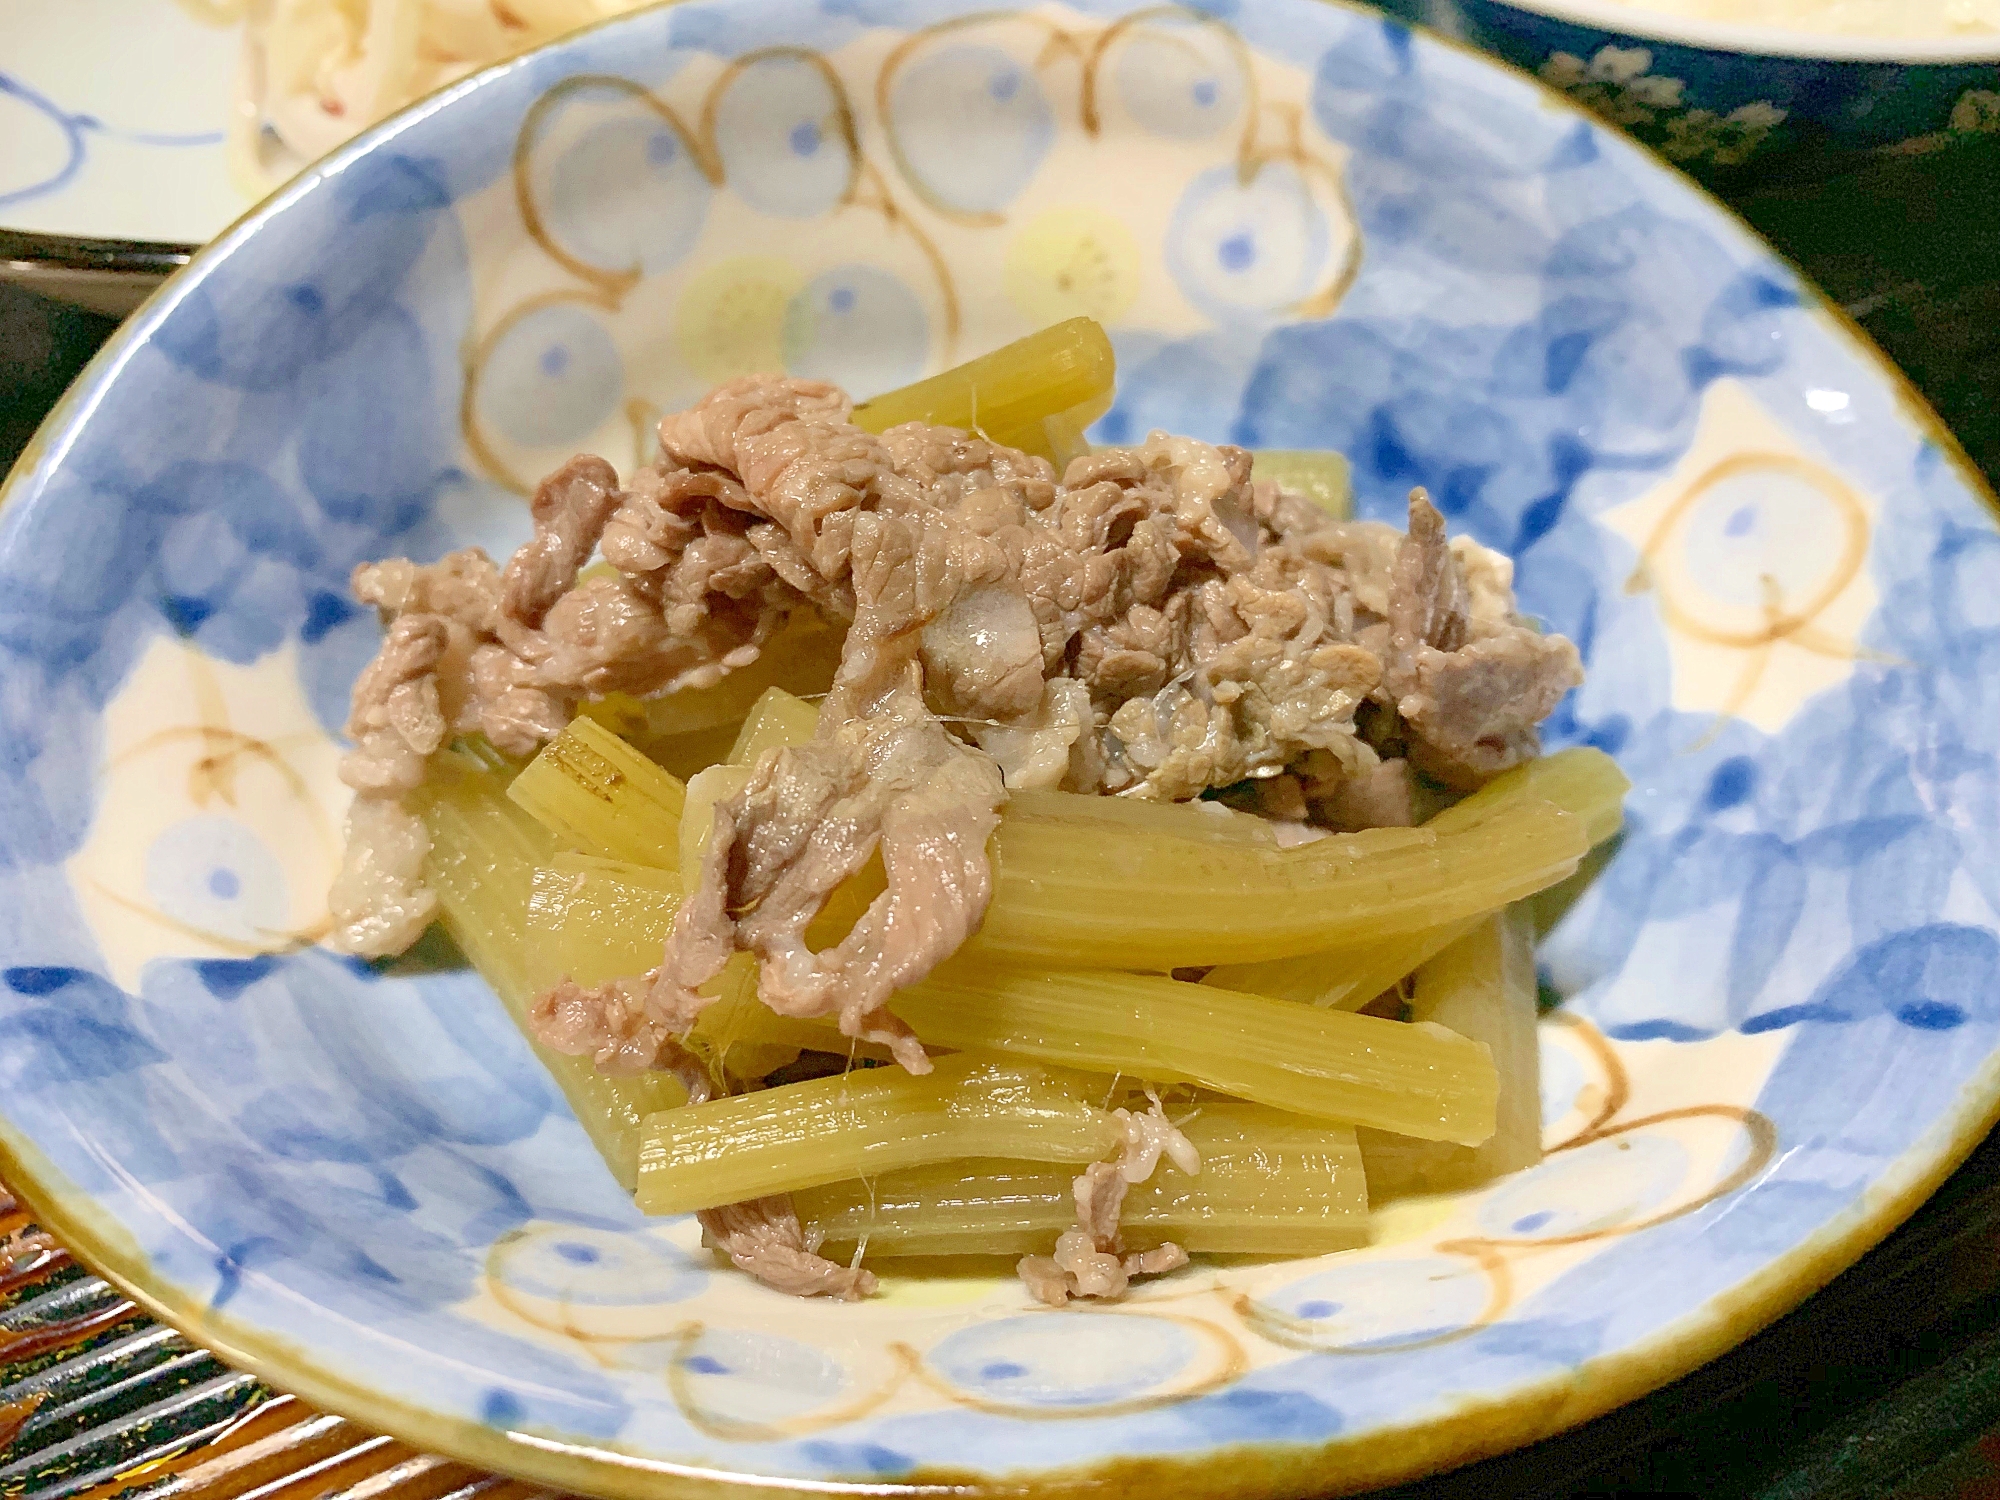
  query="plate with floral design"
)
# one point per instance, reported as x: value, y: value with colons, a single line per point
x: 1305, y: 226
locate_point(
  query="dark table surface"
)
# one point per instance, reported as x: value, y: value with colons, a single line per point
x: 1886, y: 1384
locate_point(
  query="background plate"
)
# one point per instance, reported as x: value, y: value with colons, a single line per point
x: 113, y: 122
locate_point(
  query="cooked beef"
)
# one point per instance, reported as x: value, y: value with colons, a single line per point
x: 1377, y: 795
x: 1089, y: 1259
x: 1149, y: 1135
x: 764, y: 1238
x: 1162, y: 1258
x: 611, y: 1026
x: 888, y: 778
x: 570, y: 509
x: 379, y: 901
x: 396, y: 721
x: 1468, y: 680
x: 1046, y: 1281
x: 1152, y: 624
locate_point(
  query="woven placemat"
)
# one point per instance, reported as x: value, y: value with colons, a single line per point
x: 98, y: 1400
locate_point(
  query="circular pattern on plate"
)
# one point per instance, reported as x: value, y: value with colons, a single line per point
x: 1095, y: 1360
x: 751, y: 1376
x: 783, y: 134
x: 1248, y: 246
x: 1605, y: 1184
x: 551, y: 377
x: 581, y: 1265
x: 1373, y: 1306
x: 972, y: 125
x: 627, y: 192
x: 859, y: 324
x: 213, y: 874
x: 1180, y: 77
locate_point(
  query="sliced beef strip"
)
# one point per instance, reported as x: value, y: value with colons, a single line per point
x: 763, y: 1237
x: 1089, y: 1259
x: 1469, y: 688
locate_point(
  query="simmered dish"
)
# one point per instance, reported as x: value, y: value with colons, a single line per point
x: 907, y: 830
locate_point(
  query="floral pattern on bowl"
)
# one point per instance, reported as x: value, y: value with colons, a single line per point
x: 1306, y: 226
x: 1710, y: 107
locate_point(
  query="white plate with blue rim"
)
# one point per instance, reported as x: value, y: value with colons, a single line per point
x: 115, y: 160
x: 1305, y: 227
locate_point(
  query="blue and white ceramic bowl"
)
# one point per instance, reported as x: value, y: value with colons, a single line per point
x: 1712, y: 95
x: 1306, y: 226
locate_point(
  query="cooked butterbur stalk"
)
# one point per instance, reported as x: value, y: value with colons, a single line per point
x: 1346, y: 978
x: 1150, y: 902
x: 600, y: 795
x: 597, y: 919
x: 1069, y: 892
x: 1079, y: 901
x: 1483, y: 987
x: 1579, y: 780
x: 593, y: 920
x: 1321, y: 475
x: 1585, y: 783
x: 859, y: 1123
x: 1419, y: 1080
x: 1037, y: 394
x: 485, y: 852
x: 1394, y: 959
x: 775, y: 720
x: 1270, y: 1184
x: 1422, y: 1080
x: 1122, y: 817
x: 1079, y: 885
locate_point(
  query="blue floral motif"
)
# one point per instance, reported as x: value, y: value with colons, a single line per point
x: 1839, y: 855
x: 1710, y: 107
x: 73, y: 1028
x: 860, y: 1460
